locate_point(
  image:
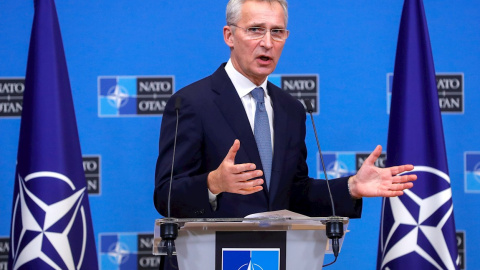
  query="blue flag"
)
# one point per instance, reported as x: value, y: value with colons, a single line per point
x: 417, y: 230
x: 51, y: 224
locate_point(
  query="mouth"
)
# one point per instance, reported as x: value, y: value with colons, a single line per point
x: 264, y: 58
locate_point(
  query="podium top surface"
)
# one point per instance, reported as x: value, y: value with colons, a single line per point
x: 255, y: 223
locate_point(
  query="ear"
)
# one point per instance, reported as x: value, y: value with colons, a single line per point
x: 228, y: 36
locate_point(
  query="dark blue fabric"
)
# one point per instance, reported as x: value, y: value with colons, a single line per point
x: 415, y: 136
x: 49, y: 145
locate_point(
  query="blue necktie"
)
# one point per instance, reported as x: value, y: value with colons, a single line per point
x: 261, y: 131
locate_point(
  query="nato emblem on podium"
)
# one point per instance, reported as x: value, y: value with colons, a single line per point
x: 253, y: 250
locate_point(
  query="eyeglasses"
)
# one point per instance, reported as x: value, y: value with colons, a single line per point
x: 256, y: 32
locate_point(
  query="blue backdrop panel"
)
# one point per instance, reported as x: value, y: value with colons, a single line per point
x: 349, y: 45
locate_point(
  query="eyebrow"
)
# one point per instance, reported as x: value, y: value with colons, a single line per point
x: 264, y: 26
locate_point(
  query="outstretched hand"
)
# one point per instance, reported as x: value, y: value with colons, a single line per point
x: 371, y: 181
x: 234, y: 178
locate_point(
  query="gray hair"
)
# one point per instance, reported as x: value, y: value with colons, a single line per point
x: 234, y: 8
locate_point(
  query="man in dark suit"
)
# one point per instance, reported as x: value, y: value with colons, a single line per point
x: 221, y: 168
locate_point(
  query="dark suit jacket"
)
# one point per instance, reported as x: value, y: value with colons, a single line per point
x: 211, y: 117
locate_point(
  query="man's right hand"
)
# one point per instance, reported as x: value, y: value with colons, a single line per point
x: 234, y: 178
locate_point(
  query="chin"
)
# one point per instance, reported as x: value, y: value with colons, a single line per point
x: 265, y: 71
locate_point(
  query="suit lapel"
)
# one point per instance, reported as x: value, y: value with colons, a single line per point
x: 280, y: 124
x: 231, y: 107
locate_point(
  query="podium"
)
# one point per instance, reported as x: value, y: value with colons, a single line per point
x: 273, y: 242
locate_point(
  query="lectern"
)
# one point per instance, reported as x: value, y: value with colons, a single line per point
x: 271, y: 242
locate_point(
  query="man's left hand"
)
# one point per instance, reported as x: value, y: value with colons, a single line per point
x: 371, y: 181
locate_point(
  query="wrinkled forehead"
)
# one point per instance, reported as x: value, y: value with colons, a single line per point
x: 234, y: 7
x: 263, y: 14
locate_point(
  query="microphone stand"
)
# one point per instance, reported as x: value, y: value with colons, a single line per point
x: 169, y: 230
x: 334, y: 228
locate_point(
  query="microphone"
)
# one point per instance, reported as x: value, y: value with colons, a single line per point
x: 334, y: 228
x: 169, y: 230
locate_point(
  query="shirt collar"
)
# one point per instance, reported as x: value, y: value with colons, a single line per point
x: 241, y: 83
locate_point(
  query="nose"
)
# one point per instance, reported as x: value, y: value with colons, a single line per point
x: 266, y: 40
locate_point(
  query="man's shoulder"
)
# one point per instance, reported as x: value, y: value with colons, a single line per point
x: 205, y: 84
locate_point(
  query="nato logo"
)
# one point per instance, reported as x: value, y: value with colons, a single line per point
x: 337, y: 164
x: 341, y: 164
x: 91, y: 167
x: 43, y: 225
x: 303, y: 87
x: 122, y: 251
x: 472, y: 172
x: 120, y: 96
x: 450, y: 92
x: 11, y: 97
x: 250, y: 259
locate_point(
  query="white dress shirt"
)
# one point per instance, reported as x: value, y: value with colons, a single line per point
x: 244, y: 86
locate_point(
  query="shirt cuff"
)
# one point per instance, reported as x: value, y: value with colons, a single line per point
x: 212, y: 198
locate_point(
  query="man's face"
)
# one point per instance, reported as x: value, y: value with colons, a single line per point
x: 257, y: 58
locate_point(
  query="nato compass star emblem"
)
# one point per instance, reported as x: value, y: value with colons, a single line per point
x: 117, y: 96
x: 118, y: 253
x: 337, y: 169
x: 417, y: 224
x: 250, y: 266
x: 476, y: 172
x: 41, y: 225
x: 337, y: 164
x: 251, y: 258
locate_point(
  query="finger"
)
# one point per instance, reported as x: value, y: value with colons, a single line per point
x: 250, y: 190
x: 389, y: 193
x: 247, y: 177
x: 233, y: 151
x: 252, y: 185
x: 400, y: 187
x: 248, y: 183
x: 374, y: 155
x: 400, y: 169
x: 247, y: 191
x: 244, y: 167
x: 404, y: 178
